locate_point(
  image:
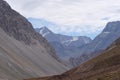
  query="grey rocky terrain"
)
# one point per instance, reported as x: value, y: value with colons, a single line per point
x: 23, y: 52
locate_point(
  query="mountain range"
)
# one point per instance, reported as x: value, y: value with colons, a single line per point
x: 106, y: 66
x: 23, y: 52
x: 65, y: 46
x: 78, y: 49
x: 99, y: 44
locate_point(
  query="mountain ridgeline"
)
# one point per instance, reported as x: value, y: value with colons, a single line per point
x: 23, y: 52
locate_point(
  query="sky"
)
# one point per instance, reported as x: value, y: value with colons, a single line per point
x: 76, y: 17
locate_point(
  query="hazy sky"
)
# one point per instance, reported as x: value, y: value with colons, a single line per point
x: 89, y: 16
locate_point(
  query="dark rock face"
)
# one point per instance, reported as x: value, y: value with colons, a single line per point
x: 16, y: 25
x: 100, y: 43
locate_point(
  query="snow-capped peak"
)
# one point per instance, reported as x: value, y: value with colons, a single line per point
x: 44, y: 31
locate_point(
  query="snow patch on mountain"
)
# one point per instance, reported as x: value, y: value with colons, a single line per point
x: 75, y: 38
x: 44, y: 34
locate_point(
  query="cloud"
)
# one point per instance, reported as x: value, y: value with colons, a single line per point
x: 80, y: 13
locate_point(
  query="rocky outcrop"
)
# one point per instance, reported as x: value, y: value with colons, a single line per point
x: 17, y: 26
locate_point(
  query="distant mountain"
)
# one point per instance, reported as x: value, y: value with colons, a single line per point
x: 23, y: 52
x: 63, y: 44
x: 100, y: 43
x: 103, y: 67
